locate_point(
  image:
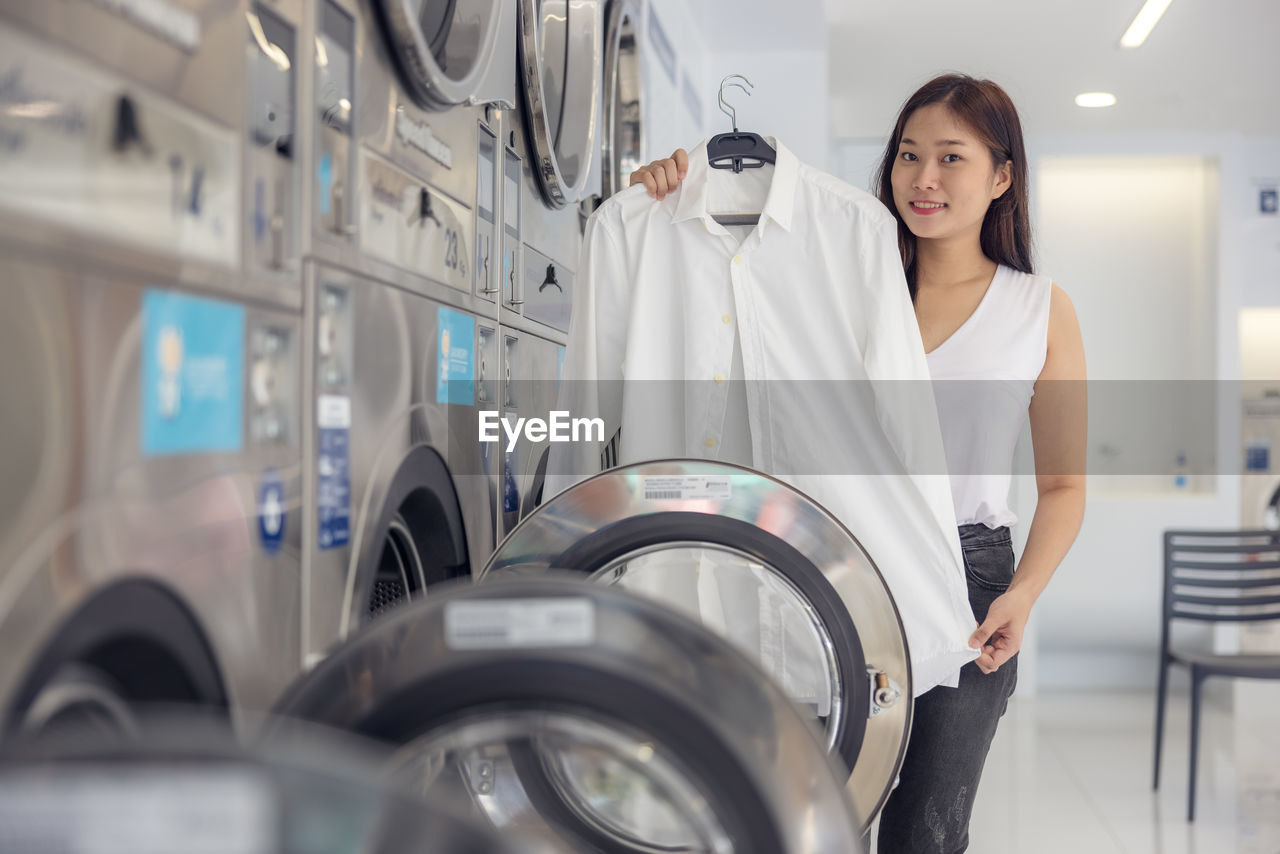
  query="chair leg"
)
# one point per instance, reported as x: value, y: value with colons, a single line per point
x: 1197, y: 681
x: 1161, y: 691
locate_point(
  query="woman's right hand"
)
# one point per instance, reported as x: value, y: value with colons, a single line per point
x: 663, y: 176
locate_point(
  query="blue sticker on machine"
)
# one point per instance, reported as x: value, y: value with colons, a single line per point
x: 1257, y: 456
x: 333, y: 470
x: 324, y: 175
x: 192, y: 374
x: 271, y: 512
x: 455, y: 357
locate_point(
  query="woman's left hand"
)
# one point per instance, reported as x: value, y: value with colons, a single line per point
x: 1000, y: 635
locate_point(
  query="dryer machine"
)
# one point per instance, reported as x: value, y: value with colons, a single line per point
x: 149, y: 348
x: 762, y: 565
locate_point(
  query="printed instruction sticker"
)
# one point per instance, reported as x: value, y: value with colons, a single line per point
x: 455, y: 357
x: 511, y: 623
x: 192, y: 374
x: 333, y: 470
x: 685, y: 487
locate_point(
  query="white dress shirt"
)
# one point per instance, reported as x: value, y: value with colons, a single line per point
x: 742, y: 347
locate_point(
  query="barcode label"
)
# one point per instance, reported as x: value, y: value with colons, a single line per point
x: 506, y: 623
x: 686, y: 487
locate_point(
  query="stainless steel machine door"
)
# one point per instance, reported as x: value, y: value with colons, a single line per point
x: 443, y: 47
x: 623, y: 144
x: 764, y: 566
x: 584, y: 718
x: 560, y: 48
x: 193, y: 785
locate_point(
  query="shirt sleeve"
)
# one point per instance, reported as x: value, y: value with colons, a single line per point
x: 591, y: 376
x: 894, y: 357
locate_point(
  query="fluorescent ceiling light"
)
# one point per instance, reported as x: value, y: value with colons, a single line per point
x: 1095, y: 99
x: 1145, y: 21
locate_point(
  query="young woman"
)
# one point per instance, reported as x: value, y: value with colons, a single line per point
x: 1001, y: 343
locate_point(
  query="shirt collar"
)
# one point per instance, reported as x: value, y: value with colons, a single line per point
x: 778, y: 205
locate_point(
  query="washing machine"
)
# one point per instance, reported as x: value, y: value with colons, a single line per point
x: 405, y: 105
x: 763, y: 566
x: 551, y: 173
x: 150, y: 353
x: 584, y: 718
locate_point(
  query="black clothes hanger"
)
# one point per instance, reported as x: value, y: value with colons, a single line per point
x: 737, y: 150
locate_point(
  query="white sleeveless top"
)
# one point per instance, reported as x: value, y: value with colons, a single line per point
x: 983, y: 379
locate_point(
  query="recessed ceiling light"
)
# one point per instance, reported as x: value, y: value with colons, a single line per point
x: 1144, y: 22
x: 1095, y: 99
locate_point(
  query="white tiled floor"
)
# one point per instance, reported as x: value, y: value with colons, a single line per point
x: 1072, y: 773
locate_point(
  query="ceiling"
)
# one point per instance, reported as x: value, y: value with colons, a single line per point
x: 1210, y: 66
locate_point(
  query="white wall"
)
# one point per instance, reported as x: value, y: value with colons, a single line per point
x: 1098, y: 623
x: 789, y: 98
x: 670, y: 123
x: 855, y: 161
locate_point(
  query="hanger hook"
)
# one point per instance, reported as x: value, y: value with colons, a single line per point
x: 725, y: 106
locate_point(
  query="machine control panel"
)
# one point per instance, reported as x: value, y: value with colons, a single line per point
x: 414, y: 226
x: 271, y: 216
x: 486, y: 367
x: 486, y: 268
x: 335, y: 108
x: 85, y: 149
x: 512, y: 292
x: 271, y: 384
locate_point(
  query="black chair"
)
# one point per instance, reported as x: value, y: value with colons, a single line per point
x: 1215, y: 577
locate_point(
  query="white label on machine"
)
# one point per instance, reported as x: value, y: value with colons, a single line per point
x: 683, y: 487
x: 140, y: 811
x: 333, y: 412
x: 505, y: 623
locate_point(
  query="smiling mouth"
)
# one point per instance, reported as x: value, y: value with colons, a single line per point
x: 928, y: 206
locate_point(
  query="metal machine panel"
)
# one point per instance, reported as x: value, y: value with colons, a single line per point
x: 394, y: 468
x: 216, y: 520
x: 530, y: 373
x: 334, y: 109
x: 86, y: 152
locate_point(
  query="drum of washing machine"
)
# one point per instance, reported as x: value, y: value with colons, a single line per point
x: 451, y: 51
x: 584, y: 718
x: 622, y: 148
x: 560, y: 46
x: 764, y: 566
x: 193, y: 786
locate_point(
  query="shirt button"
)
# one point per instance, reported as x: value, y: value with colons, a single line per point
x: 719, y: 378
x: 724, y: 318
x: 737, y: 259
x: 711, y: 443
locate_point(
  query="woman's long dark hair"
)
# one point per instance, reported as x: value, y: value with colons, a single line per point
x: 986, y: 109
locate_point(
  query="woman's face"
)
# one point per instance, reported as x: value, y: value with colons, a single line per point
x: 943, y: 181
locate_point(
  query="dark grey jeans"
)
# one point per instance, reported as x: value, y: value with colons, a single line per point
x: 952, y: 728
